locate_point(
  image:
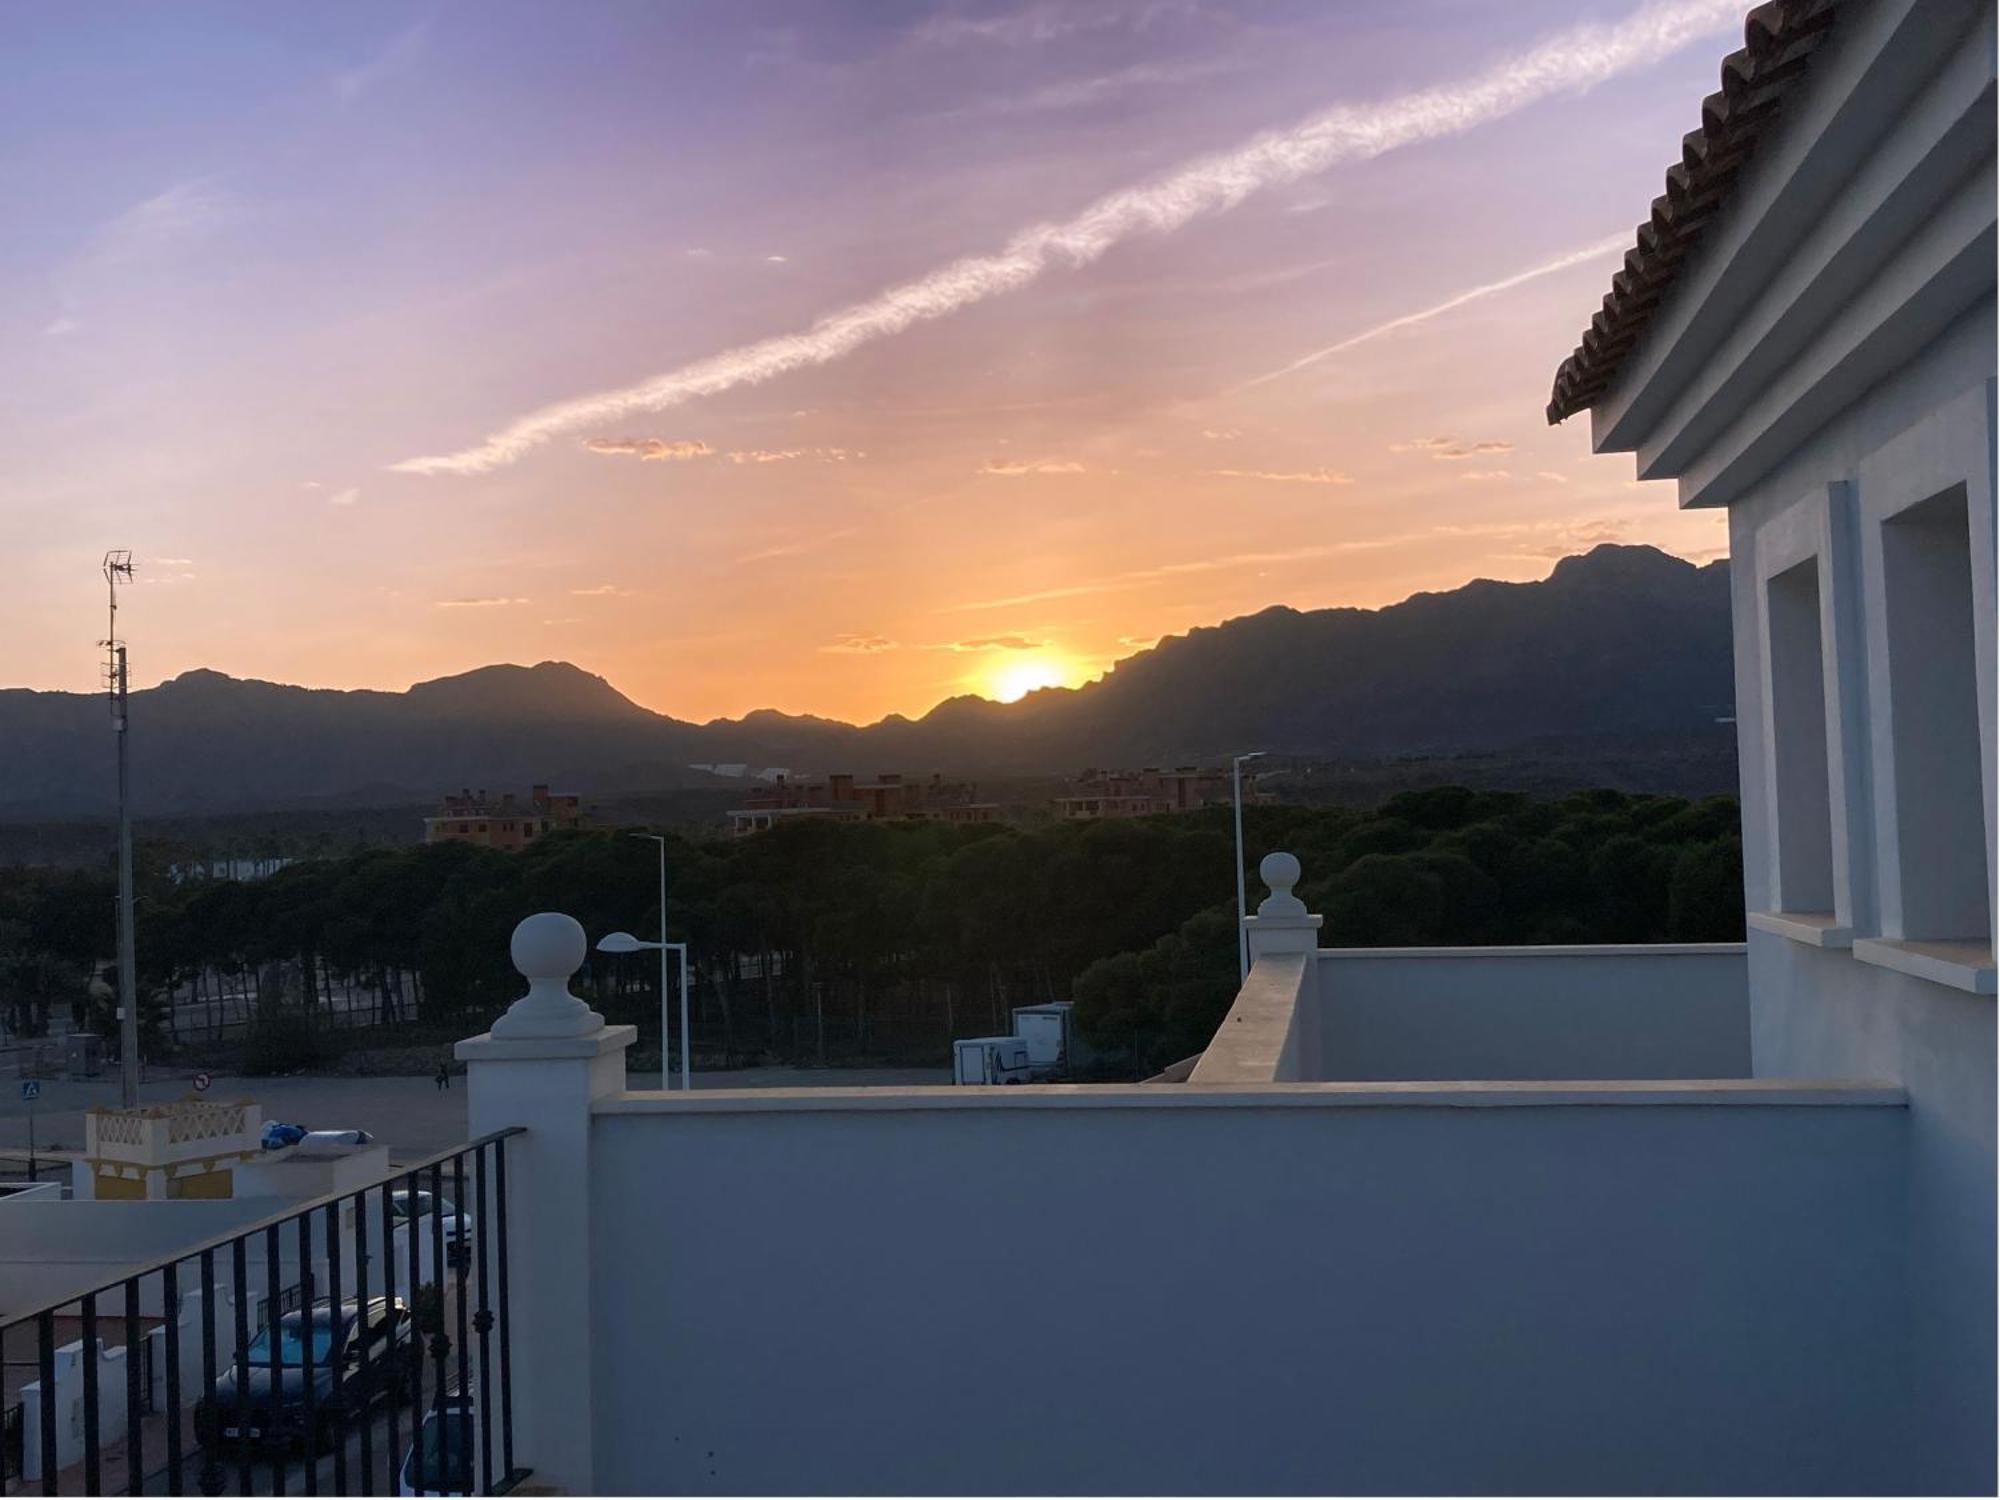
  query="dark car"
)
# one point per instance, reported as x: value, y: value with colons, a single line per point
x: 357, y: 1355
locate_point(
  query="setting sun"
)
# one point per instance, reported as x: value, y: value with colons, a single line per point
x: 1010, y: 681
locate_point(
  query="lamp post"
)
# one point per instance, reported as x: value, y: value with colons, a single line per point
x: 624, y: 942
x: 1236, y: 765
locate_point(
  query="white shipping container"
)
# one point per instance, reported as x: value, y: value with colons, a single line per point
x: 990, y: 1059
x: 1046, y: 1030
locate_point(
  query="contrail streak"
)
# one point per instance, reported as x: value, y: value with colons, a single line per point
x: 1487, y: 289
x: 1571, y: 60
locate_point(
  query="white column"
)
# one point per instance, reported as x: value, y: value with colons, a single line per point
x: 540, y: 1067
x: 1283, y: 925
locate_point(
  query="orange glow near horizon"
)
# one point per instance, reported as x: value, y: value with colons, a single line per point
x: 1011, y: 681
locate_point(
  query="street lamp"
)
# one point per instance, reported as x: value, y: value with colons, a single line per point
x: 624, y: 942
x: 1236, y: 765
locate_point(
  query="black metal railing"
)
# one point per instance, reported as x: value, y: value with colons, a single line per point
x: 357, y: 1344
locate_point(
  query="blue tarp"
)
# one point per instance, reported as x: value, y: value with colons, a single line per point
x: 278, y: 1134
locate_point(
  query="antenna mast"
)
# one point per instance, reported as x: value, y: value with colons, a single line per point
x: 117, y: 568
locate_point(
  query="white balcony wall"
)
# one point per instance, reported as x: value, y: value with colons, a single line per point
x: 1292, y: 1288
x: 1649, y: 1011
x: 1824, y: 366
x: 1819, y: 1013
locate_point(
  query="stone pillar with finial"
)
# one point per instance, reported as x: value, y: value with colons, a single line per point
x: 544, y: 1063
x: 1283, y: 925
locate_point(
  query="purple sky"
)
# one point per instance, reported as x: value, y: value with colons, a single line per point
x: 263, y: 255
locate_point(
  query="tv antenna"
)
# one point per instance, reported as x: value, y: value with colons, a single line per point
x: 117, y: 679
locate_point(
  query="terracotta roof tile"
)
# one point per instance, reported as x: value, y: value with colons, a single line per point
x: 1778, y: 40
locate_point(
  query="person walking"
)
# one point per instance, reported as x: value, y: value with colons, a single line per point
x: 443, y: 1077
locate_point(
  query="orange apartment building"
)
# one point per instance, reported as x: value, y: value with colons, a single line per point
x: 840, y: 796
x: 509, y: 824
x: 1138, y: 794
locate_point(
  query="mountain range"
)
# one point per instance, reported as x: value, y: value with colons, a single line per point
x: 1620, y: 642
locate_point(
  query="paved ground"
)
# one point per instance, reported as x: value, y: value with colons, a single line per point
x: 409, y: 1114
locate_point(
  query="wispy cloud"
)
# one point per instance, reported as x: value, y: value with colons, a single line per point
x: 1536, y: 539
x: 601, y: 591
x: 488, y: 602
x: 1596, y: 250
x: 1552, y: 476
x: 650, y: 450
x: 1095, y: 88
x: 1569, y: 537
x: 398, y: 56
x: 858, y: 645
x: 1451, y: 450
x: 786, y: 455
x: 1294, y: 476
x: 996, y: 643
x: 174, y: 220
x: 1477, y: 475
x: 1221, y: 434
x: 1047, y: 21
x: 1014, y: 468
x: 1565, y: 63
x: 344, y: 497
x: 1138, y: 577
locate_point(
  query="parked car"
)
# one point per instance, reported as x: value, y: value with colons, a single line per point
x: 358, y: 1357
x: 457, y: 1223
x: 439, y: 1461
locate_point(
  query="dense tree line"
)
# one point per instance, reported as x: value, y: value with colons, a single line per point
x: 822, y: 941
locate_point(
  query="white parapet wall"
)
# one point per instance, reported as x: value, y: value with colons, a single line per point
x: 1307, y: 1288
x: 111, y: 1366
x: 1615, y: 1285
x: 1641, y: 1011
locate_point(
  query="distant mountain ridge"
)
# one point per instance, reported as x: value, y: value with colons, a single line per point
x: 1620, y: 641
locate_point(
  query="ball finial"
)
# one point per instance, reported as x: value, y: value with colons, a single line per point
x: 1279, y: 871
x: 548, y: 945
x: 547, y: 948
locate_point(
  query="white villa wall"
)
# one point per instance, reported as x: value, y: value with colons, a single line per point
x: 1823, y: 1012
x: 1300, y: 1288
x: 1825, y: 359
x: 1654, y: 1011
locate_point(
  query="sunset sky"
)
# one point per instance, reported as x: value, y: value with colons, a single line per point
x: 890, y: 395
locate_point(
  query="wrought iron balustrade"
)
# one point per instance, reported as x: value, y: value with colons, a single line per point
x: 358, y: 1343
